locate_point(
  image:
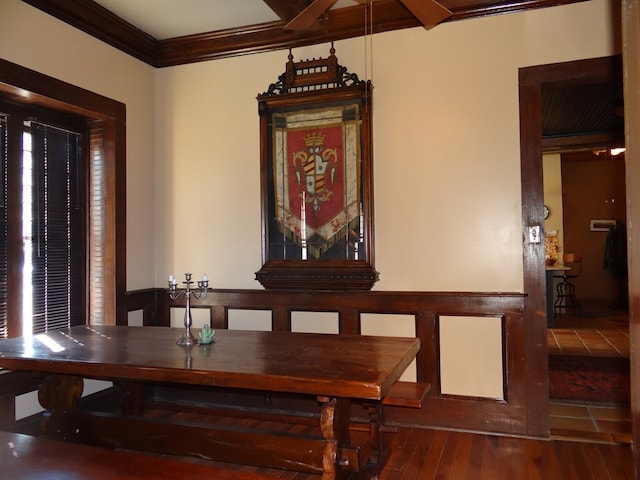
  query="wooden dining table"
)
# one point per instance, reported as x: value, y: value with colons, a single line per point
x: 335, y: 369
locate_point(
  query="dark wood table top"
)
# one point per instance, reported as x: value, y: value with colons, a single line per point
x: 353, y: 366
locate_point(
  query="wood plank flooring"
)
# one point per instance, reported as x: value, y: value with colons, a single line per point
x: 426, y: 454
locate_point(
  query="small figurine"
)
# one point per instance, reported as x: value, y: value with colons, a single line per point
x: 206, y: 335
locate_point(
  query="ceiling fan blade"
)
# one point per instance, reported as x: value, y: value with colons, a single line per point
x: 286, y: 9
x: 429, y: 12
x: 310, y: 15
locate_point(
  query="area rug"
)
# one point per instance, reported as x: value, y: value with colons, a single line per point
x: 590, y: 379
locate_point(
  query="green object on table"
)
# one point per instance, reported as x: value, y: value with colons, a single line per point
x: 206, y: 335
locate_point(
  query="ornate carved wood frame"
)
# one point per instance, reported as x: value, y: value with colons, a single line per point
x: 316, y: 179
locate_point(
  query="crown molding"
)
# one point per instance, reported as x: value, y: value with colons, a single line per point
x: 339, y: 24
x: 97, y: 21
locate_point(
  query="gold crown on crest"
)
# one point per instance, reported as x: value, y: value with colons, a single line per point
x: 314, y: 139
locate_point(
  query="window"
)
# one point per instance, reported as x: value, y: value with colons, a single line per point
x: 46, y: 204
x: 63, y: 148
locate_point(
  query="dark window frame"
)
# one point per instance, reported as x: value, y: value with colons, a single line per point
x: 106, y: 120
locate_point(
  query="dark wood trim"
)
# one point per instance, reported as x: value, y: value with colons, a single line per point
x: 533, y: 268
x: 584, y: 142
x: 631, y: 69
x: 15, y: 242
x: 514, y: 414
x: 25, y: 85
x: 145, y: 300
x: 531, y: 82
x: 95, y: 20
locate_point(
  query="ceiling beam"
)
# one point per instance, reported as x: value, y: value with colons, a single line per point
x: 338, y: 24
x: 310, y: 15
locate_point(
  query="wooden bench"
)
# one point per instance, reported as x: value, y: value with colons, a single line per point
x: 13, y: 384
x: 407, y: 394
x: 24, y: 456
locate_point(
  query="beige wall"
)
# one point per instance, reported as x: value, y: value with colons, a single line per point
x: 446, y: 164
x: 446, y: 147
x: 553, y: 196
x: 36, y: 40
x: 446, y: 143
x: 446, y: 150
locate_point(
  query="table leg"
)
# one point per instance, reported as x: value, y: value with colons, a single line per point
x: 132, y: 401
x: 334, y: 425
x: 56, y: 394
x: 376, y: 420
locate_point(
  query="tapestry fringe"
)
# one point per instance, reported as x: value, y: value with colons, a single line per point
x: 317, y: 251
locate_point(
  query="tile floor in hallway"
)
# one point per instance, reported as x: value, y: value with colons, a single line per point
x: 590, y: 423
x: 605, y: 342
x: 607, y: 336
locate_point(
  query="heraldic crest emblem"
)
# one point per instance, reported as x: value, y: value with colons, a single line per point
x: 316, y: 162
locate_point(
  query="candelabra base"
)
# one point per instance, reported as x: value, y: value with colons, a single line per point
x: 187, y: 339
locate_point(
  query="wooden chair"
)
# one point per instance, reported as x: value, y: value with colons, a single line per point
x: 566, y: 301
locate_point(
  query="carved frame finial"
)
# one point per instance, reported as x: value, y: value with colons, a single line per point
x: 314, y: 74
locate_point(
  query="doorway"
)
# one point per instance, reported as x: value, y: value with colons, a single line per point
x: 585, y: 193
x: 589, y: 350
x: 564, y: 86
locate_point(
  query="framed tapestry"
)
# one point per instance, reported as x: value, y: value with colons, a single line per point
x: 316, y: 179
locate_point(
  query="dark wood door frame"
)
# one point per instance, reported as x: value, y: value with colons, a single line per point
x: 532, y: 80
x: 631, y: 69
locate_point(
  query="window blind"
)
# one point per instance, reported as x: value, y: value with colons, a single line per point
x: 58, y: 257
x: 3, y: 227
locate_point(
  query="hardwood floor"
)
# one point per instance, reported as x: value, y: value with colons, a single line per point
x: 425, y: 454
x: 431, y: 454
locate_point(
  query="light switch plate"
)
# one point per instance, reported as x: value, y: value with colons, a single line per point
x: 534, y: 233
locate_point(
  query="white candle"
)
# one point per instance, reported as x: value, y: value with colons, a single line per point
x: 205, y: 278
x: 303, y: 225
x: 171, y: 279
x: 303, y: 214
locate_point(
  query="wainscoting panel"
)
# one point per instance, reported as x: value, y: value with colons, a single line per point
x: 506, y: 406
x: 471, y: 356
